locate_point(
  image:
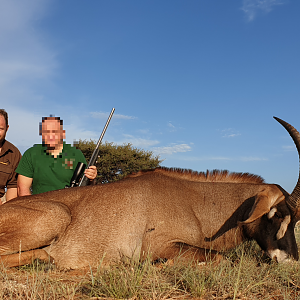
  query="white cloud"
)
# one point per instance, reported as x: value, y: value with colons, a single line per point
x: 24, y: 57
x: 252, y: 7
x: 104, y: 115
x: 229, y: 133
x: 16, y: 14
x: 143, y: 131
x: 225, y: 158
x: 172, y: 128
x: 171, y: 149
x: 75, y: 132
x: 136, y: 141
x: 252, y: 158
x: 289, y: 148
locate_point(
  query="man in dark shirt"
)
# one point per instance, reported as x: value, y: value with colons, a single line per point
x: 9, y: 159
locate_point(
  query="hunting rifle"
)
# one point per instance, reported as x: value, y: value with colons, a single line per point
x: 78, y: 173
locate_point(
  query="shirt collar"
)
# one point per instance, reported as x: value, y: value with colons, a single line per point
x: 5, y: 147
x: 62, y: 151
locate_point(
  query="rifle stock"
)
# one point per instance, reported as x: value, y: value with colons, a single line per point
x: 84, y: 180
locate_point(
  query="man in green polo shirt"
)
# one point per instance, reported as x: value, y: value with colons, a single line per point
x: 50, y: 166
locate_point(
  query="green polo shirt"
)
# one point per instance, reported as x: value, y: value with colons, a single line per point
x: 49, y: 173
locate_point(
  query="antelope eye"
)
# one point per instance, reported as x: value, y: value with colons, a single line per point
x: 278, y: 215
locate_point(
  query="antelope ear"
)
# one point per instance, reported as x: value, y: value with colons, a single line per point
x: 262, y: 205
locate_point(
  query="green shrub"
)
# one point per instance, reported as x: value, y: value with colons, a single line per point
x: 115, y: 162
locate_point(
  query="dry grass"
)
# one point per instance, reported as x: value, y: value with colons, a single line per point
x: 243, y: 274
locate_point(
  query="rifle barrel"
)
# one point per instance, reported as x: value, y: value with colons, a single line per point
x: 94, y: 157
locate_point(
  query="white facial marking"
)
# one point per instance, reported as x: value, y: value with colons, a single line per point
x: 279, y: 255
x: 283, y: 227
x: 272, y: 213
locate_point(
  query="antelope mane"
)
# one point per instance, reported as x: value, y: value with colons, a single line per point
x: 208, y: 176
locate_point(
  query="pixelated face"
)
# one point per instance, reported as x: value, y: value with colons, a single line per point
x: 3, y: 129
x: 52, y: 133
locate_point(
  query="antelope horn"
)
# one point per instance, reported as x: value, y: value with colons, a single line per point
x: 293, y: 201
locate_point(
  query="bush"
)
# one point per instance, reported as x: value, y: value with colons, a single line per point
x: 115, y: 162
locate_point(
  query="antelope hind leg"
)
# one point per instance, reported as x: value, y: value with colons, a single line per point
x: 27, y: 225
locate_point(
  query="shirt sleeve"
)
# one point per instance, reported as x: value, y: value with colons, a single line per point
x: 80, y: 157
x: 25, y: 166
x: 12, y: 182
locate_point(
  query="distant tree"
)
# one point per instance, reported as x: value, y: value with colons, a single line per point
x: 115, y: 162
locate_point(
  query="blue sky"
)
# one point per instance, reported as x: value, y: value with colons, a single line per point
x: 197, y: 82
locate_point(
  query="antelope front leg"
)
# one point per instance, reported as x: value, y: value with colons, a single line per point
x: 186, y: 253
x: 24, y: 258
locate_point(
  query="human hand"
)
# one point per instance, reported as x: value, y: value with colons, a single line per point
x: 91, y: 172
